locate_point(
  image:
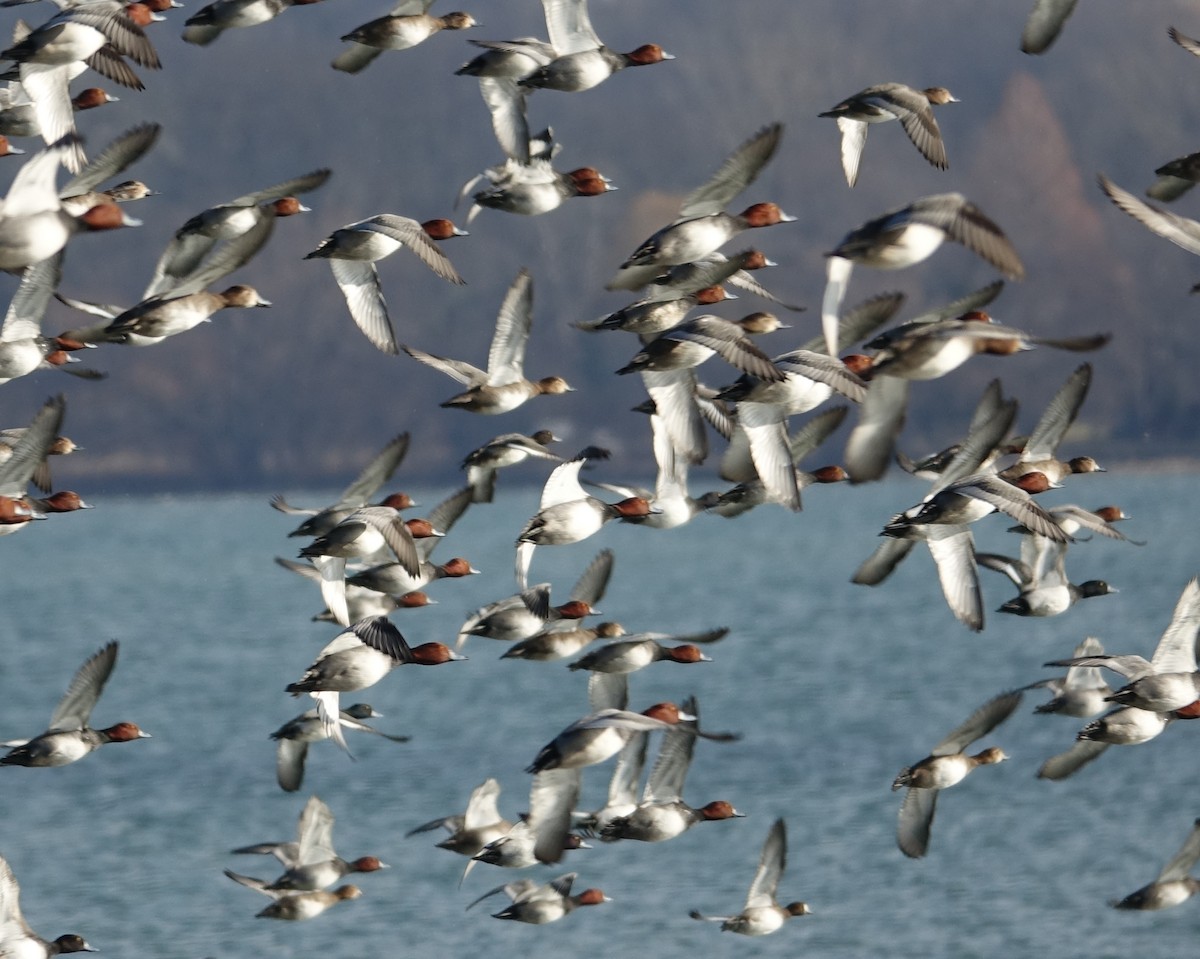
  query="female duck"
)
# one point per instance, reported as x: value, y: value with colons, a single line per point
x: 504, y: 386
x: 891, y: 101
x: 946, y: 766
x: 409, y: 24
x: 763, y: 914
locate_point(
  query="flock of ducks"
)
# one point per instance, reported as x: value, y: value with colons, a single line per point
x: 368, y: 560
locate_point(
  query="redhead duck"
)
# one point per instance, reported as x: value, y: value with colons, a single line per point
x: 363, y: 654
x: 503, y: 387
x: 738, y: 463
x: 927, y: 350
x: 566, y: 514
x: 760, y: 447
x: 23, y: 348
x: 883, y: 412
x: 745, y: 496
x: 397, y: 582
x: 17, y: 940
x: 602, y: 734
x: 24, y: 460
x: 198, y: 238
x: 544, y: 835
x: 502, y: 451
x: 353, y: 250
x: 75, y: 34
x: 661, y: 311
x: 360, y: 657
x: 19, y: 115
x: 580, y: 61
x: 310, y: 861
x: 377, y: 472
x: 662, y: 814
x: 534, y: 188
x: 640, y: 650
x: 951, y: 545
x: 946, y: 766
x: 511, y: 622
x: 907, y: 236
x: 670, y: 503
x: 69, y: 737
x: 763, y: 914
x: 475, y: 828
x: 364, y: 603
x: 348, y: 602
x: 1169, y: 680
x: 714, y: 268
x: 693, y: 341
x: 1173, y: 885
x: 295, y: 906
x: 399, y: 579
x: 370, y: 529
x: 33, y: 224
x: 407, y: 25
x: 702, y: 227
x: 891, y: 101
x: 974, y: 497
x: 64, y: 501
x: 101, y: 34
x: 537, y: 903
x: 1075, y: 519
x: 295, y: 736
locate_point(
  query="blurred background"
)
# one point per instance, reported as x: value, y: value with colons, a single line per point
x: 295, y: 395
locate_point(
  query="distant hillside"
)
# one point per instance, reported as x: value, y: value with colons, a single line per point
x: 295, y: 396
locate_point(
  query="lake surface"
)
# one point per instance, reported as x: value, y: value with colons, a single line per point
x: 835, y: 688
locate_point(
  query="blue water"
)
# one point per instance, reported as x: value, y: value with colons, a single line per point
x: 835, y: 687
